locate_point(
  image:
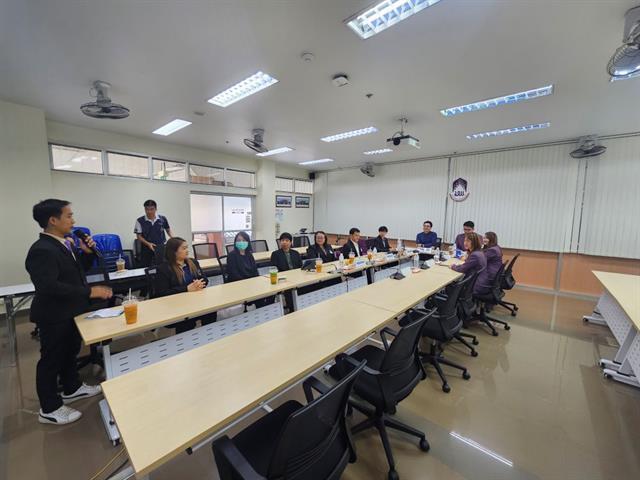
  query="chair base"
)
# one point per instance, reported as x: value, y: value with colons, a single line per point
x: 512, y: 307
x: 436, y: 359
x: 460, y: 336
x: 489, y: 320
x: 381, y: 421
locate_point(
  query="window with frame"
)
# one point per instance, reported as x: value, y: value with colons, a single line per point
x: 239, y: 178
x: 75, y: 159
x: 303, y: 186
x: 125, y: 165
x: 206, y: 175
x: 169, y: 170
x: 284, y: 184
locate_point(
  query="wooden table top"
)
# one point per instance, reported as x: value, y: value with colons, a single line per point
x: 166, y: 310
x: 626, y: 290
x: 259, y: 257
x: 164, y: 408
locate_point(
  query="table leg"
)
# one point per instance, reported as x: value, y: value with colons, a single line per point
x: 11, y: 330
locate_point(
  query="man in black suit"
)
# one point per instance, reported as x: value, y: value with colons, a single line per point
x: 380, y: 243
x: 61, y: 293
x: 286, y: 258
x: 352, y: 244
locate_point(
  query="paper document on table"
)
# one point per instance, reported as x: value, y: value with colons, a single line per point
x: 106, y: 313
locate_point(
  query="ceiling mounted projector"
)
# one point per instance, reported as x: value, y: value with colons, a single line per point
x: 626, y: 59
x: 588, y: 147
x: 400, y: 138
x: 257, y: 143
x: 103, y: 107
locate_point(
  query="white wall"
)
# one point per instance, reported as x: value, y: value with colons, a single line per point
x: 293, y: 219
x: 24, y: 180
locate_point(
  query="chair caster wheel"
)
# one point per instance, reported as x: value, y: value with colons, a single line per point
x: 507, y: 327
x: 515, y: 308
x: 474, y: 353
x: 513, y: 314
x: 446, y: 388
x: 606, y: 375
x: 393, y: 475
x: 466, y: 375
x: 475, y: 341
x: 424, y: 445
x: 424, y: 376
x: 494, y: 333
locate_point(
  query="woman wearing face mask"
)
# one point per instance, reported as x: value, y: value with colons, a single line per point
x: 179, y: 274
x: 240, y: 261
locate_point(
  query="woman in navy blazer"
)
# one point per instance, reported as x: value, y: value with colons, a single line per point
x: 493, y: 253
x: 476, y: 261
x: 320, y: 248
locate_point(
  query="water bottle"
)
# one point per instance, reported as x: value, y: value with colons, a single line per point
x: 416, y: 261
x: 375, y: 250
x: 341, y: 261
x: 436, y: 255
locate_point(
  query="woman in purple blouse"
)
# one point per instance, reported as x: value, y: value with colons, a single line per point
x: 493, y: 253
x: 476, y: 261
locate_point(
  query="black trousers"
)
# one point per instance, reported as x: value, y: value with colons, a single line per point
x: 59, y: 347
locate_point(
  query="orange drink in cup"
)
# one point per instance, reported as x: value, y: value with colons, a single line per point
x: 130, y: 310
x: 318, y: 265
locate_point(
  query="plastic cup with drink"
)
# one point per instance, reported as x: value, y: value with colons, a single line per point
x: 273, y: 276
x: 130, y: 305
x: 120, y: 264
x: 318, y: 265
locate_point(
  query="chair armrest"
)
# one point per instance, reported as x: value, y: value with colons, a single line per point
x: 343, y: 357
x: 226, y: 452
x: 315, y: 384
x: 383, y: 333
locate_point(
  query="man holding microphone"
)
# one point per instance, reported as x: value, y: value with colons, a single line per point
x: 57, y: 271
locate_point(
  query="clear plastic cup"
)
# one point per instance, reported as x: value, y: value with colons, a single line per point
x: 120, y: 264
x: 273, y: 276
x: 318, y: 265
x: 130, y: 310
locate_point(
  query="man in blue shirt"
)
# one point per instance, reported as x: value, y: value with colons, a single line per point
x: 426, y: 237
x: 467, y: 227
x: 150, y: 231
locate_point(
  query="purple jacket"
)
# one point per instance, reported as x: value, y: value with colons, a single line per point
x: 476, y: 261
x: 494, y: 261
x: 460, y: 242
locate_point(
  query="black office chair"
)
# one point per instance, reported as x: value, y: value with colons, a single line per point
x: 149, y: 276
x: 466, y: 309
x: 294, y: 441
x: 370, y: 242
x: 389, y: 377
x: 222, y: 261
x: 202, y: 251
x: 137, y: 252
x: 493, y: 297
x: 441, y: 328
x: 302, y: 241
x: 259, y: 246
x: 508, y: 282
x: 229, y: 248
x: 438, y: 242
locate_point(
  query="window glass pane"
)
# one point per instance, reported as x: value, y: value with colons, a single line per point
x: 166, y: 170
x: 76, y: 159
x: 127, y: 165
x: 206, y: 213
x: 304, y: 186
x: 284, y: 184
x: 237, y: 213
x: 206, y: 175
x: 229, y: 236
x: 236, y: 178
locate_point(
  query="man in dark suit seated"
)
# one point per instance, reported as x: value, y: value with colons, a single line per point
x: 61, y: 292
x: 286, y: 258
x: 352, y: 244
x: 380, y: 243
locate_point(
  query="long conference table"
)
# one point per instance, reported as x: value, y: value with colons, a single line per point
x: 224, y: 381
x: 619, y: 308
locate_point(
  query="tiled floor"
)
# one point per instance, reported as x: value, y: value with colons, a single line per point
x: 536, y: 403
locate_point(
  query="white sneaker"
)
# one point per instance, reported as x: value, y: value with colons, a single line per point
x: 61, y: 416
x: 84, y: 391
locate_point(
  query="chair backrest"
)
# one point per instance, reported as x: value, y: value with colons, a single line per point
x: 149, y: 275
x: 259, y: 246
x: 466, y: 303
x: 300, y: 241
x: 229, y: 248
x: 401, y: 369
x: 108, y: 242
x: 453, y: 291
x: 509, y: 281
x: 222, y: 261
x: 439, y: 242
x: 369, y: 243
x: 203, y: 251
x: 496, y: 285
x: 314, y: 442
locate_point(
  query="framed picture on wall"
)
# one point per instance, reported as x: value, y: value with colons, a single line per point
x: 302, y: 202
x: 283, y: 201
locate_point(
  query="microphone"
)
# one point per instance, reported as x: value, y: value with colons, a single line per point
x: 83, y: 236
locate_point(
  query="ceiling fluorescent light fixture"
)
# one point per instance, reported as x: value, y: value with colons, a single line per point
x: 275, y: 151
x: 65, y: 166
x: 313, y: 162
x: 385, y: 14
x: 172, y: 127
x: 378, y: 152
x: 496, y: 102
x: 345, y: 135
x: 626, y: 77
x: 482, y: 448
x: 256, y: 82
x: 507, y: 131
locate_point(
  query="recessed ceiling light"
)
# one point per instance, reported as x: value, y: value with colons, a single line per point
x: 275, y: 151
x: 496, y: 102
x: 507, y: 131
x: 256, y: 82
x: 626, y: 77
x: 172, y: 127
x: 378, y: 152
x: 385, y: 14
x: 353, y: 133
x: 312, y: 162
